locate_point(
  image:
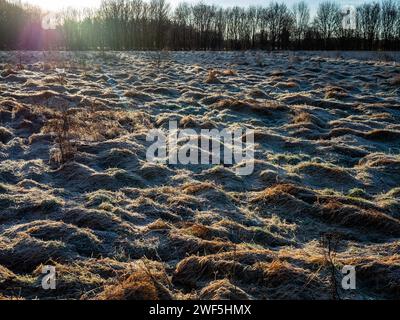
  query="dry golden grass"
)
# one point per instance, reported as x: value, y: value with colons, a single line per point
x: 6, y: 274
x: 302, y: 117
x: 222, y: 290
x: 292, y: 84
x: 335, y: 92
x: 188, y: 122
x: 330, y: 94
x: 282, y: 188
x: 197, y: 187
x: 3, y: 297
x: 158, y: 225
x: 138, y: 286
x: 212, y: 76
x: 148, y: 282
x: 311, y: 254
x: 198, y: 230
x: 229, y: 72
x: 277, y: 268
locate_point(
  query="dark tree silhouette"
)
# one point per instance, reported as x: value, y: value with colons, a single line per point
x: 369, y: 22
x: 153, y: 25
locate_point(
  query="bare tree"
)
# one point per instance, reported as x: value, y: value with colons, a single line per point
x: 327, y: 21
x: 280, y: 22
x: 182, y: 19
x: 301, y: 19
x: 368, y: 16
x: 253, y: 16
x: 159, y: 15
x: 398, y: 28
x: 389, y: 19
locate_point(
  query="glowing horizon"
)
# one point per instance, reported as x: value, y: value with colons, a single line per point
x: 56, y: 5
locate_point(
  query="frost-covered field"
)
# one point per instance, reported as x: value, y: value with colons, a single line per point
x: 327, y: 133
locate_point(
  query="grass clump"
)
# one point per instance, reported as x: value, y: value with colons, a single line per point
x: 3, y: 188
x: 302, y: 117
x: 358, y: 193
x: 212, y: 77
x: 394, y: 193
x: 148, y: 282
x: 5, y: 135
x: 222, y: 290
x: 289, y: 158
x: 50, y: 205
x: 194, y: 188
x: 229, y: 72
x: 98, y: 197
x: 396, y: 81
x: 353, y: 216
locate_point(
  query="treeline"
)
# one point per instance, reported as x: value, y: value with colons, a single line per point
x: 18, y: 25
x: 153, y: 24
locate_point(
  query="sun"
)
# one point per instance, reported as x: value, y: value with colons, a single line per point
x: 52, y: 5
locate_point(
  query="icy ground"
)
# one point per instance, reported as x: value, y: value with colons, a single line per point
x: 327, y: 133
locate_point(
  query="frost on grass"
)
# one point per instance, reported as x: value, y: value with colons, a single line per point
x: 76, y: 191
